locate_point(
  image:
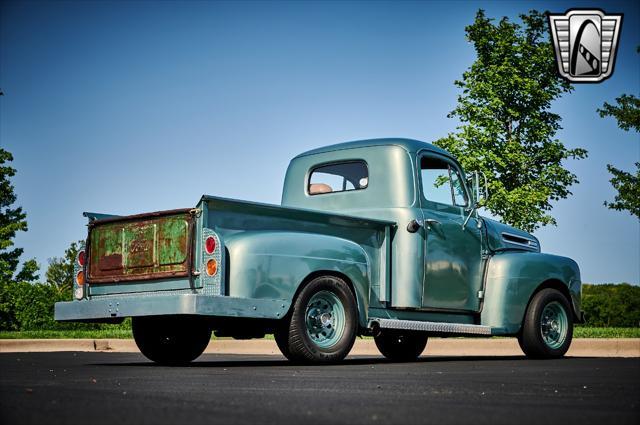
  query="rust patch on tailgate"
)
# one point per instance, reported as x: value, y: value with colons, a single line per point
x: 141, y: 247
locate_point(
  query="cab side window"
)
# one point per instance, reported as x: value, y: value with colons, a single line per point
x: 339, y: 177
x: 442, y: 182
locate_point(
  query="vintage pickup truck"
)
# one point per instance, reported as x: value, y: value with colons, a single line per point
x: 374, y: 237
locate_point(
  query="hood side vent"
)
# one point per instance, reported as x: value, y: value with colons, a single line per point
x: 521, y: 241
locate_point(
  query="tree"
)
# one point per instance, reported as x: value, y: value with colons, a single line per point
x: 12, y: 220
x: 60, y: 271
x: 628, y: 187
x: 507, y: 130
x: 627, y: 113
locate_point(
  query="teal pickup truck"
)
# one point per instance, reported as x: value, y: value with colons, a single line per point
x: 374, y: 237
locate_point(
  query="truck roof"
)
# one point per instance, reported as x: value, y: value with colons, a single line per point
x: 410, y: 145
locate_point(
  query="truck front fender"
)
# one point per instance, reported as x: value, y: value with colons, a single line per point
x: 273, y: 264
x: 513, y: 277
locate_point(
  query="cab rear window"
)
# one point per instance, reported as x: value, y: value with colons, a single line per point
x: 338, y: 177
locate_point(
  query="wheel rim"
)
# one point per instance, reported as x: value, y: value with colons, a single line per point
x: 554, y: 325
x: 325, y: 319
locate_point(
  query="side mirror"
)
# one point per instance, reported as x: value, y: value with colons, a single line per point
x: 477, y: 183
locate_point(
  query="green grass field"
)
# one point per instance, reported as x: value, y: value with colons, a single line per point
x: 77, y: 334
x: 590, y: 332
x: 579, y: 332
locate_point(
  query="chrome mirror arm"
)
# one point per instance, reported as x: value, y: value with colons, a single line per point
x: 471, y: 211
x: 464, y: 225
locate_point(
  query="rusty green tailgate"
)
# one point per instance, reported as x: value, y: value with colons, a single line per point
x: 146, y: 246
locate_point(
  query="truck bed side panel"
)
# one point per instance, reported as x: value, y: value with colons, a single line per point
x: 272, y: 264
x: 271, y: 249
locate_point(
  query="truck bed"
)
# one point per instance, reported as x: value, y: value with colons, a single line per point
x: 160, y: 246
x: 149, y: 264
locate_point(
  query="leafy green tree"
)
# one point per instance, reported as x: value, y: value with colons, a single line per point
x: 507, y: 129
x: 626, y: 112
x: 12, y: 220
x: 628, y: 187
x: 60, y: 271
x: 627, y: 184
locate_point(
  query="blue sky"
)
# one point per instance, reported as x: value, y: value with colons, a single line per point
x: 128, y: 107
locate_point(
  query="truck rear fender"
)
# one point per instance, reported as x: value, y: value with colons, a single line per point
x: 513, y: 278
x: 275, y: 264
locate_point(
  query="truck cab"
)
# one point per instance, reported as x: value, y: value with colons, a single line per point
x: 375, y: 237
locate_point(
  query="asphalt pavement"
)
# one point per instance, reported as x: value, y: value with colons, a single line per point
x: 124, y: 388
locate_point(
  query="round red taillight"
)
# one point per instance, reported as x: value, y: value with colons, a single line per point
x: 210, y: 244
x: 81, y: 258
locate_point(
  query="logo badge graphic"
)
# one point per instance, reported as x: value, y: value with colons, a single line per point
x: 585, y: 42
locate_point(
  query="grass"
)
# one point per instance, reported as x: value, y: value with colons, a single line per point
x: 579, y: 332
x: 69, y: 334
x: 589, y: 332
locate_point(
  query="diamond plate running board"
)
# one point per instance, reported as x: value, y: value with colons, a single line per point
x: 435, y: 327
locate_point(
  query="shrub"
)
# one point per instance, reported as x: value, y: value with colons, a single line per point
x: 616, y: 305
x: 26, y: 307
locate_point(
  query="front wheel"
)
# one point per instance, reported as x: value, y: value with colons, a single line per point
x: 547, y: 329
x: 400, y: 346
x: 171, y: 340
x: 322, y: 325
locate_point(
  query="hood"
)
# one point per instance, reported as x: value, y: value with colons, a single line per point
x: 504, y: 237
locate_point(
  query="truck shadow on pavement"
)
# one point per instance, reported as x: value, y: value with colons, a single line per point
x: 238, y: 360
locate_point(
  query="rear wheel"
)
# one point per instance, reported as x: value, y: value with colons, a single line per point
x: 281, y: 335
x: 171, y: 340
x: 547, y: 329
x: 322, y: 325
x: 400, y: 346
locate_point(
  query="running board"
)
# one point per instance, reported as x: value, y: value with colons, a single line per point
x: 435, y: 327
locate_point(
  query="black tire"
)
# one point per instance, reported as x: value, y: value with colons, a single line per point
x: 281, y: 335
x: 546, y: 334
x: 171, y: 340
x: 300, y: 336
x: 400, y: 346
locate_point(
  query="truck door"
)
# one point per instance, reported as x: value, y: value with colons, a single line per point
x: 453, y: 265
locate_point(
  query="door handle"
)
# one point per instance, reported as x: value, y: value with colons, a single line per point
x: 414, y: 225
